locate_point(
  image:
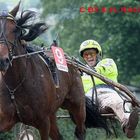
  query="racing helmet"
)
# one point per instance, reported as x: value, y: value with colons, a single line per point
x: 90, y: 44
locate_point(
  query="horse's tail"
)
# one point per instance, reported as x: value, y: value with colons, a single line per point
x: 94, y: 118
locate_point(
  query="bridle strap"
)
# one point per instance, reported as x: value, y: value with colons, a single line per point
x: 7, y: 15
x: 12, y: 91
x: 3, y: 39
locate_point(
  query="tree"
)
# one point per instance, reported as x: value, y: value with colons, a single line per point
x: 118, y: 33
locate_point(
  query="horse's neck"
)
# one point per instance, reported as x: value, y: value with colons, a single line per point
x: 20, y: 63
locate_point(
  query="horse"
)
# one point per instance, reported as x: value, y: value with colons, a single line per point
x: 27, y: 89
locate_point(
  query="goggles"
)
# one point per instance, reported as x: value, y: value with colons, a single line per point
x: 89, y: 53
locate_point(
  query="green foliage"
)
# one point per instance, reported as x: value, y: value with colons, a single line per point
x: 118, y: 33
x: 135, y: 80
x: 7, y: 136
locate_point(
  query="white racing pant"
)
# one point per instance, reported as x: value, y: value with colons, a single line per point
x: 109, y: 98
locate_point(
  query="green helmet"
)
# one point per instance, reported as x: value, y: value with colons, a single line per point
x: 90, y: 44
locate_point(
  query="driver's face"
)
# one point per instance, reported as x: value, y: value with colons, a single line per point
x: 90, y: 56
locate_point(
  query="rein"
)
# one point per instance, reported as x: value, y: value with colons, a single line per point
x: 27, y: 54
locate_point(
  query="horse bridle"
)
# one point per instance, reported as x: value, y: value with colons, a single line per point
x: 3, y: 39
x: 4, y: 16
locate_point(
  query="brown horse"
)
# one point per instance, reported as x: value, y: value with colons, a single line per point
x: 27, y: 90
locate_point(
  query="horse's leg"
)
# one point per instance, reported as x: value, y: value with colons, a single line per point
x: 76, y: 106
x: 78, y: 115
x: 54, y: 131
x: 43, y: 128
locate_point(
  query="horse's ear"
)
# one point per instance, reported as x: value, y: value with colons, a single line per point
x: 15, y: 10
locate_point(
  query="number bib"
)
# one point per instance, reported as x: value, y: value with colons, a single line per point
x: 59, y: 58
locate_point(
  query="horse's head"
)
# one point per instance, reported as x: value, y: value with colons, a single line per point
x: 7, y: 37
x: 13, y: 31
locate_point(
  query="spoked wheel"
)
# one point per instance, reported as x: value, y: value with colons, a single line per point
x: 25, y: 133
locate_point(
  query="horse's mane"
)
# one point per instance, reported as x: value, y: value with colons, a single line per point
x: 29, y: 31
